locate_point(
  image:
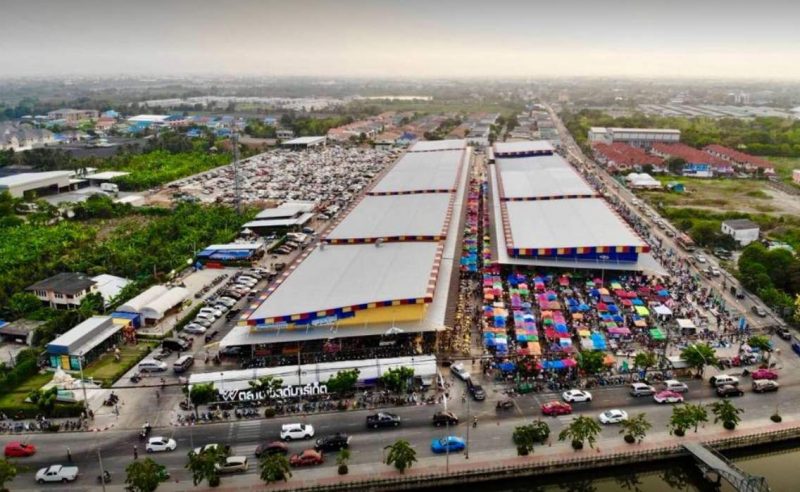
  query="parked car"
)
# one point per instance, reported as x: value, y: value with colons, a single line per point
x: 211, y: 310
x: 307, y: 458
x: 723, y: 379
x: 210, y: 446
x: 176, y: 344
x: 206, y: 315
x: 183, y: 363
x: 784, y: 333
x: 667, y: 396
x: 204, y: 322
x: 152, y: 365
x: 57, y: 473
x: 233, y: 464
x: 274, y: 447
x: 441, y: 419
x: 450, y: 444
x: 764, y: 385
x: 700, y: 259
x: 222, y: 308
x: 160, y: 444
x: 763, y: 374
x: 227, y: 301
x: 575, y: 395
x: 333, y: 442
x: 556, y: 408
x: 194, y: 329
x: 641, y: 389
x: 16, y: 449
x: 383, y: 419
x: 296, y: 431
x: 476, y: 391
x: 729, y: 390
x: 759, y: 311
x: 460, y: 371
x: 614, y: 416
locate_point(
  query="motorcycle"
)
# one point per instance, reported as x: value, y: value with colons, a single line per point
x: 136, y: 377
x: 104, y: 478
x: 505, y: 404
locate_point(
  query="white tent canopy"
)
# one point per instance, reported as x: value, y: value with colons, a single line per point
x: 686, y: 324
x: 662, y: 310
x: 157, y: 308
x: 138, y: 303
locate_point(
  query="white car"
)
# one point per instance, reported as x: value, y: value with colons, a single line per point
x: 297, y: 431
x: 676, y: 386
x: 220, y: 307
x: 715, y: 272
x: 57, y: 473
x: 207, y: 447
x: 576, y: 396
x: 614, y: 416
x: 160, y: 444
x: 700, y: 259
x: 227, y: 301
x: 459, y: 370
x: 210, y: 310
x: 194, y: 329
x: 204, y: 322
x: 206, y: 315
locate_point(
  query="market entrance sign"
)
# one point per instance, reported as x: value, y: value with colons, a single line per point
x: 287, y: 392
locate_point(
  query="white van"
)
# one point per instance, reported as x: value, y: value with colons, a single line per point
x: 723, y: 379
x: 152, y: 365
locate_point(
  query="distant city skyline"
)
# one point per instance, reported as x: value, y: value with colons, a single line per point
x: 434, y: 38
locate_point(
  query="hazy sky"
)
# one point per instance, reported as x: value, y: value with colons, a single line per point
x: 427, y: 38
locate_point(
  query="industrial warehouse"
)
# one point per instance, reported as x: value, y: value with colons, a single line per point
x: 378, y: 282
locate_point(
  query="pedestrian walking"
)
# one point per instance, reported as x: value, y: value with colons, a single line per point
x: 474, y: 422
x: 69, y: 455
x: 135, y: 453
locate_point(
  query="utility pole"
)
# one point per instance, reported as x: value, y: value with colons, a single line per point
x: 83, y: 385
x: 446, y: 436
x: 237, y: 180
x: 469, y: 424
x: 102, y: 471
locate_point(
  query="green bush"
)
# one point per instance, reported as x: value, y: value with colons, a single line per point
x: 16, y: 376
x: 29, y: 411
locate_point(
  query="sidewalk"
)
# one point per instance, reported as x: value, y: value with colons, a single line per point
x: 507, y: 457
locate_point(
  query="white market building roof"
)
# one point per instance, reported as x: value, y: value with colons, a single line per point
x: 396, y: 217
x: 110, y: 286
x: 106, y: 175
x: 541, y: 177
x: 157, y: 308
x: 567, y: 223
x: 286, y: 210
x: 290, y: 222
x: 438, y: 145
x: 422, y: 172
x: 308, y: 141
x: 136, y: 304
x: 336, y: 277
x: 522, y: 148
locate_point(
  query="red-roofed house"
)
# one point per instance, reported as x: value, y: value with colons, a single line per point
x: 692, y: 156
x: 622, y: 157
x: 747, y: 162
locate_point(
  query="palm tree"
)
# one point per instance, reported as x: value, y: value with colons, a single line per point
x: 727, y: 413
x: 699, y: 356
x: 401, y: 455
x: 143, y: 475
x: 274, y: 467
x: 686, y: 416
x: 645, y: 360
x: 525, y: 436
x: 203, y: 465
x: 635, y: 428
x: 581, y: 429
x: 342, y: 459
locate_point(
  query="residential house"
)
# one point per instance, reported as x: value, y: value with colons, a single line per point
x: 64, y: 290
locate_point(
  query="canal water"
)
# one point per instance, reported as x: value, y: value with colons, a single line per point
x: 778, y: 463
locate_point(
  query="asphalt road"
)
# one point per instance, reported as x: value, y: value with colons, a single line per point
x: 492, y: 433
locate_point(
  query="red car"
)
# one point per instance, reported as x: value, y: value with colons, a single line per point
x: 307, y: 457
x: 556, y: 408
x: 764, y: 374
x: 16, y: 449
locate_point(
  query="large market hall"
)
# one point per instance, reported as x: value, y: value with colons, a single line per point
x: 379, y: 280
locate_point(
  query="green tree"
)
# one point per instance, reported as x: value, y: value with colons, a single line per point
x: 760, y: 342
x: 267, y: 384
x: 591, y: 362
x: 45, y: 400
x: 274, y: 467
x: 143, y: 475
x: 8, y: 471
x: 396, y: 379
x: 203, y: 465
x: 202, y: 394
x: 725, y: 412
x: 675, y: 165
x: 401, y: 455
x: 645, y: 360
x: 525, y: 436
x: 699, y: 356
x: 581, y: 429
x: 343, y: 381
x: 22, y: 304
x: 342, y: 460
x: 635, y: 428
x: 91, y: 305
x: 685, y: 417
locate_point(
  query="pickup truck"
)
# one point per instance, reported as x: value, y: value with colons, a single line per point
x: 382, y: 419
x: 57, y: 473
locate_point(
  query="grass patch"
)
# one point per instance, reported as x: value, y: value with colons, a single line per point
x: 17, y: 397
x: 105, y: 370
x: 784, y: 167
